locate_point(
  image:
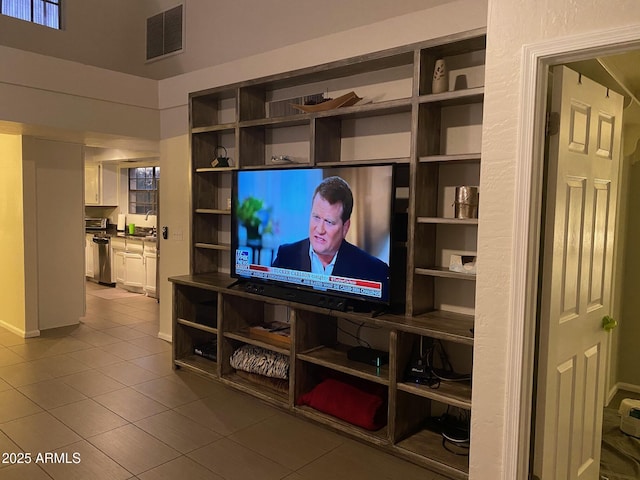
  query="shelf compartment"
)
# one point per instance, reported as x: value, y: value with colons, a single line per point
x: 243, y: 336
x: 460, y: 157
x: 258, y: 144
x: 213, y: 108
x: 378, y: 437
x: 335, y: 358
x: 223, y: 128
x: 198, y: 364
x: 440, y: 324
x: 212, y: 211
x: 425, y: 447
x: 444, y: 273
x: 214, y: 169
x: 260, y: 390
x: 388, y: 107
x: 456, y: 97
x: 457, y: 394
x: 448, y: 221
x: 198, y: 326
x: 213, y: 246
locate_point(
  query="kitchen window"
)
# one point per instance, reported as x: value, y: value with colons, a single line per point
x: 143, y: 189
x: 42, y: 12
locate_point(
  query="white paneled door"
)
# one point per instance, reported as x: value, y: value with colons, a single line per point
x: 581, y: 191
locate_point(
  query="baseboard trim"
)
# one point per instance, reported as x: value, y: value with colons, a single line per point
x: 18, y: 331
x: 629, y: 387
x: 166, y: 337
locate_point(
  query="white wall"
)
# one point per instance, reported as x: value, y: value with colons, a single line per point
x: 113, y: 34
x: 511, y: 25
x: 63, y: 99
x: 12, y: 281
x: 54, y: 177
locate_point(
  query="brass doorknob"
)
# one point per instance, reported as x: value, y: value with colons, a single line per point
x: 608, y: 323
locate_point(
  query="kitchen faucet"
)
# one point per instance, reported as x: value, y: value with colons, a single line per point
x: 148, y: 213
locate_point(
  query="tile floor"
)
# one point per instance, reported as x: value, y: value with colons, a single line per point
x: 101, y: 401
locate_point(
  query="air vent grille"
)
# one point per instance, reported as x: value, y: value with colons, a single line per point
x: 164, y: 33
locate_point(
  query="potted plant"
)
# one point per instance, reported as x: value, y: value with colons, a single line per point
x: 252, y: 215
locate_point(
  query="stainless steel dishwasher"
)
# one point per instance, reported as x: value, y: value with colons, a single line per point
x: 102, y: 260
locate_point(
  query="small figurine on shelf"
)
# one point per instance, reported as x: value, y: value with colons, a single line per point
x: 220, y: 160
x: 440, y: 77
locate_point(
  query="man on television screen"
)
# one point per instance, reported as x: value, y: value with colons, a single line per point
x: 326, y: 251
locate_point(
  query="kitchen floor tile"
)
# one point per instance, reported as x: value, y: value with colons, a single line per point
x: 159, y: 363
x: 23, y: 374
x: 134, y: 449
x: 124, y: 333
x: 92, y: 383
x: 9, y: 357
x: 30, y: 471
x: 41, y: 432
x: 235, y: 462
x: 356, y: 461
x: 127, y: 373
x: 181, y: 467
x: 166, y: 392
x: 88, y: 418
x: 130, y: 404
x: 51, y: 393
x: 178, y: 431
x: 151, y: 344
x: 14, y: 404
x: 297, y: 443
x: 226, y: 416
x: 125, y: 350
x: 95, y: 357
x: 83, y: 461
x: 60, y: 365
x: 97, y: 338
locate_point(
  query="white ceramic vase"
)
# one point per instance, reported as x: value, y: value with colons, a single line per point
x: 440, y: 77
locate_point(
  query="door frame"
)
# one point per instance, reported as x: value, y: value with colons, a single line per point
x: 521, y: 359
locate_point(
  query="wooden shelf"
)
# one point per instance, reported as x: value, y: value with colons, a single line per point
x: 378, y: 437
x: 444, y: 273
x: 456, y: 394
x: 457, y: 97
x: 245, y: 338
x: 457, y: 158
x: 426, y: 447
x: 213, y: 211
x: 225, y: 127
x: 335, y: 358
x: 213, y: 246
x: 448, y: 221
x: 214, y: 169
x: 262, y: 391
x: 199, y: 326
x: 198, y: 364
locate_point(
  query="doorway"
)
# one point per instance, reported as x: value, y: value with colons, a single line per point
x: 541, y: 60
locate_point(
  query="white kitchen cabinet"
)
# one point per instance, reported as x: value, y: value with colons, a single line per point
x: 134, y: 265
x: 120, y: 269
x: 92, y: 184
x: 88, y: 255
x: 100, y: 184
x: 150, y: 266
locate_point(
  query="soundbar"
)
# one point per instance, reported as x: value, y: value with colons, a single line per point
x: 299, y: 296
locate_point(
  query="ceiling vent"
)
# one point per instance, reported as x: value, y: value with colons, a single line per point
x: 165, y: 33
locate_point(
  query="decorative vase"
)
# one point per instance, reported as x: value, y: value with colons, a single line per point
x: 440, y: 77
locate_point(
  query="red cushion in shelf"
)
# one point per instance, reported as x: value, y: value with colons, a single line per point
x: 346, y: 402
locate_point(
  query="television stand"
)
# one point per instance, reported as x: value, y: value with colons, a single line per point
x: 298, y: 296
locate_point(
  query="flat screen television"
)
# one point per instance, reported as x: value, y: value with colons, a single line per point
x: 325, y: 230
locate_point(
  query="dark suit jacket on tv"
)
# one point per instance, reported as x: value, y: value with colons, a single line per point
x: 352, y: 262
